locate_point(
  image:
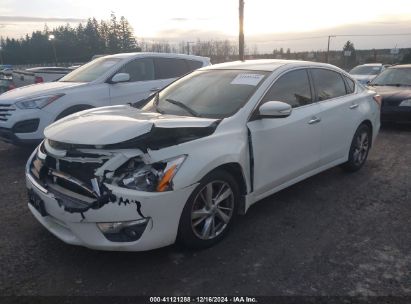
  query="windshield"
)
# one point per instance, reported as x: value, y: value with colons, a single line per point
x: 365, y: 70
x: 91, y: 71
x: 210, y: 94
x: 395, y: 77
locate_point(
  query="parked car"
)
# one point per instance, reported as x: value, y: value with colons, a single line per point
x: 394, y: 86
x: 30, y: 76
x: 6, y: 83
x: 110, y: 80
x: 366, y: 72
x: 203, y: 150
x: 6, y: 67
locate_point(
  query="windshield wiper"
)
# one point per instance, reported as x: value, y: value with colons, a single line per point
x: 183, y: 106
x: 142, y: 102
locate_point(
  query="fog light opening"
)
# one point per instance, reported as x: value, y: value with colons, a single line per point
x: 129, y: 231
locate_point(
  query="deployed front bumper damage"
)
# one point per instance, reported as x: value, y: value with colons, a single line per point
x: 70, y: 207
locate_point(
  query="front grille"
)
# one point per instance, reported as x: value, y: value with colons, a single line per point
x: 5, y: 111
x: 70, y: 175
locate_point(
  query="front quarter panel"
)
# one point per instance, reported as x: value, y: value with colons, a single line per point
x: 206, y: 154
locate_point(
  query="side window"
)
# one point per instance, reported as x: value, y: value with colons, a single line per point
x: 329, y: 84
x: 139, y: 69
x: 170, y: 67
x: 350, y: 84
x: 194, y: 64
x: 292, y: 88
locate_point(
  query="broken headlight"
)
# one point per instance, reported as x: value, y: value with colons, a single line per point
x: 156, y: 177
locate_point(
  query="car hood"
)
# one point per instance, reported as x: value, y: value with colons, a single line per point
x: 119, y: 124
x: 35, y: 90
x: 392, y: 92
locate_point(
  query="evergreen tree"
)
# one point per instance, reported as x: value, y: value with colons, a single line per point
x: 127, y: 41
x: 73, y: 44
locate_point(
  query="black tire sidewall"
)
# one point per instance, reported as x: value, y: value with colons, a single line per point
x: 186, y: 236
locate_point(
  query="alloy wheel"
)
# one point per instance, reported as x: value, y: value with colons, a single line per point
x: 361, y: 148
x: 212, y: 210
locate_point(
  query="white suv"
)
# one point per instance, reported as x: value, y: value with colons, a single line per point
x: 110, y: 80
x: 203, y: 150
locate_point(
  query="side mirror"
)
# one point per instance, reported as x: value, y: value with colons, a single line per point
x: 274, y: 109
x: 120, y: 77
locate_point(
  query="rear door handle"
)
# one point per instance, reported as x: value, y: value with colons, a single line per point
x: 314, y: 120
x: 353, y: 106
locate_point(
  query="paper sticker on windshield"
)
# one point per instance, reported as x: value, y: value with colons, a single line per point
x: 248, y: 79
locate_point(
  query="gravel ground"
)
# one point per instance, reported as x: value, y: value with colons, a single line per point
x: 333, y: 234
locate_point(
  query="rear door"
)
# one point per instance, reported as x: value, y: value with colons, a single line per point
x: 286, y: 148
x: 340, y: 113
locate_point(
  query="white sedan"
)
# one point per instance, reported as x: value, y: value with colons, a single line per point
x: 200, y: 152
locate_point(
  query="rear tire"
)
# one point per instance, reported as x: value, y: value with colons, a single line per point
x: 360, y: 147
x: 210, y: 211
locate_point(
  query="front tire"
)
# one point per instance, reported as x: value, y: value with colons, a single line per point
x: 209, y: 211
x: 360, y: 147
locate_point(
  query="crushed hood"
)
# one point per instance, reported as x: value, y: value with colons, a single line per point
x: 35, y: 90
x: 118, y: 124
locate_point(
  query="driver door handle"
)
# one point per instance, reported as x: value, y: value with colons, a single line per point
x: 314, y: 120
x: 154, y: 89
x: 353, y: 106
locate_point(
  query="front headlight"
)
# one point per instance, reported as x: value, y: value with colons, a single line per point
x: 137, y: 175
x: 405, y: 103
x: 37, y: 102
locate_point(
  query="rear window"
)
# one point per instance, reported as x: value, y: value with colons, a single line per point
x: 329, y: 84
x: 194, y: 64
x: 366, y: 70
x: 350, y: 84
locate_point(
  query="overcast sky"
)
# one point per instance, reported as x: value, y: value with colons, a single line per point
x: 268, y: 23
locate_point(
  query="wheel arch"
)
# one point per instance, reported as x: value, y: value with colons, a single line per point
x: 236, y: 171
x: 73, y: 109
x: 368, y: 123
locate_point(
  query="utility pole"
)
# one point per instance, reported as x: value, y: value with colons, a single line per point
x: 241, y: 34
x: 328, y: 49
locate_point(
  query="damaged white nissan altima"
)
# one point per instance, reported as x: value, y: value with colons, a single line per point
x: 199, y: 153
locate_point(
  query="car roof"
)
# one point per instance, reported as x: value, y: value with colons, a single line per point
x: 268, y: 65
x: 152, y: 54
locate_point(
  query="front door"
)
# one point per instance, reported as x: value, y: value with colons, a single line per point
x: 286, y: 148
x: 142, y: 82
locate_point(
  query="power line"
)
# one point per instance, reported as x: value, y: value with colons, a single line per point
x: 326, y: 36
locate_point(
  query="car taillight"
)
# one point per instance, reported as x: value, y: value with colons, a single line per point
x: 378, y: 99
x: 38, y: 79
